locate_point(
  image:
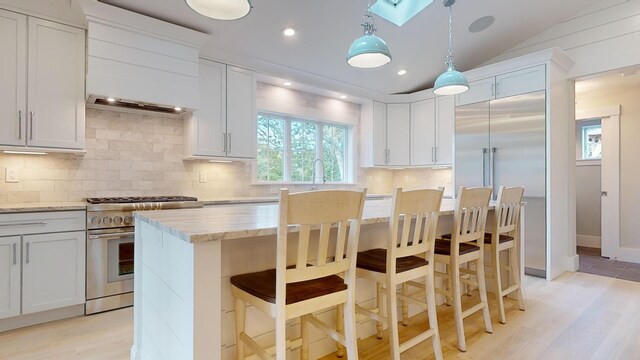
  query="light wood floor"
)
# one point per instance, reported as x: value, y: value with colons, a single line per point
x: 579, y: 316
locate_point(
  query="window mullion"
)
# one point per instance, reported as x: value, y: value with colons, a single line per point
x: 287, y: 150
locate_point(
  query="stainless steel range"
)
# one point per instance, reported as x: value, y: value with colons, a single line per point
x: 110, y: 246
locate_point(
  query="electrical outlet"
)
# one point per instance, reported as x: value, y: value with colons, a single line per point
x: 203, y: 177
x: 11, y: 175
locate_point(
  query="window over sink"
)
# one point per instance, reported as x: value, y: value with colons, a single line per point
x: 289, y: 148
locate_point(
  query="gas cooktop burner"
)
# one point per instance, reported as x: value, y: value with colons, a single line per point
x: 139, y: 199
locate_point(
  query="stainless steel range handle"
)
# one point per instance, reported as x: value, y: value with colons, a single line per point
x: 25, y: 223
x: 15, y: 254
x: 27, y: 255
x: 20, y: 125
x: 484, y: 166
x: 30, y: 125
x: 111, y: 236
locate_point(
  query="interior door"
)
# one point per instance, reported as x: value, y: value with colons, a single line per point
x: 518, y: 158
x: 472, y: 145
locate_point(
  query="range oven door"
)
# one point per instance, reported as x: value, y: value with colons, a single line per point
x: 109, y: 262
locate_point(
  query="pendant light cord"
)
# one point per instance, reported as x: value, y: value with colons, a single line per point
x: 450, y: 60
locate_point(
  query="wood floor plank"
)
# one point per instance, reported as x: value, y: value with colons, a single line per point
x: 578, y: 316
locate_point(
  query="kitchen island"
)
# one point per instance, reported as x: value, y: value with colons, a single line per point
x: 183, y: 308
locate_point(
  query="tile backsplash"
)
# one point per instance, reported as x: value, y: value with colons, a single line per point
x: 137, y: 155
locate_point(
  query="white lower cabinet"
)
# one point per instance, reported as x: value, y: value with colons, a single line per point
x: 53, y: 267
x: 42, y: 261
x: 9, y: 276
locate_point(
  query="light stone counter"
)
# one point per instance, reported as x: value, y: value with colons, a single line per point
x: 40, y: 207
x: 242, y: 221
x: 265, y: 200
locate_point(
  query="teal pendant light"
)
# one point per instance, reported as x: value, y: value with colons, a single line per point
x: 451, y: 82
x: 368, y: 51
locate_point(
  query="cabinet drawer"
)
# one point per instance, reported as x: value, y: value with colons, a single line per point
x: 42, y: 222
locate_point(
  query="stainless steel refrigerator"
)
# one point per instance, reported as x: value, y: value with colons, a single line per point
x: 502, y: 142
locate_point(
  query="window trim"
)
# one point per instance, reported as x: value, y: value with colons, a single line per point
x: 350, y: 155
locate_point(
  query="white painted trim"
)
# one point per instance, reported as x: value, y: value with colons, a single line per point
x: 627, y: 254
x: 589, y: 241
x: 592, y: 162
x: 610, y: 163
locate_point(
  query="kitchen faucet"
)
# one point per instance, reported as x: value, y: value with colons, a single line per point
x: 313, y: 185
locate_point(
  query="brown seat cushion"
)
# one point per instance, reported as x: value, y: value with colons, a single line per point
x: 487, y: 238
x: 376, y: 260
x: 503, y: 238
x: 263, y: 285
x: 443, y: 247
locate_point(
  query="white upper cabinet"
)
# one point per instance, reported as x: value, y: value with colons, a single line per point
x: 56, y: 85
x: 53, y: 271
x: 225, y: 123
x: 42, y: 84
x: 505, y: 85
x: 241, y: 113
x: 446, y: 117
x: 398, y: 131
x: 9, y: 276
x: 423, y: 134
x: 13, y: 78
x: 521, y: 82
x: 207, y: 126
x: 479, y: 91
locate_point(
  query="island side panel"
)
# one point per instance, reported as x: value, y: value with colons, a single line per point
x: 164, y: 295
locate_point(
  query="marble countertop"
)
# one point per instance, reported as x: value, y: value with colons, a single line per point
x: 246, y: 220
x: 40, y: 207
x: 265, y: 200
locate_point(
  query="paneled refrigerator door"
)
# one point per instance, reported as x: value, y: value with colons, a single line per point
x: 518, y: 157
x: 472, y: 145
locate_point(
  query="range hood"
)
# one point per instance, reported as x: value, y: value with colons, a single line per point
x: 138, y: 63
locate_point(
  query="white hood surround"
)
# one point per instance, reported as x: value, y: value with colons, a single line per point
x: 140, y: 61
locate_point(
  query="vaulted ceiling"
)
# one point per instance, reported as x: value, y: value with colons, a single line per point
x: 326, y: 28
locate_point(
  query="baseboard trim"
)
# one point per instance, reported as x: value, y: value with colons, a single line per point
x: 41, y: 317
x: 535, y: 272
x: 589, y: 241
x: 628, y: 254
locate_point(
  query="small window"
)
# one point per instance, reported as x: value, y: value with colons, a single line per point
x: 294, y: 150
x: 592, y: 142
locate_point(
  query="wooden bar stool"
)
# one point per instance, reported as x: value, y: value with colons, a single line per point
x: 461, y: 247
x: 408, y: 256
x: 308, y: 286
x: 506, y: 237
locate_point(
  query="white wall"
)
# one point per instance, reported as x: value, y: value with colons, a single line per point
x: 602, y: 38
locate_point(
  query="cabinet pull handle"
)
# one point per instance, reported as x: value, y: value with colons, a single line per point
x: 388, y: 156
x: 433, y: 156
x: 30, y: 125
x: 25, y: 223
x: 20, y: 125
x: 15, y: 254
x: 498, y: 88
x: 27, y: 256
x: 436, y: 153
x: 224, y: 142
x: 229, y: 142
x: 493, y: 90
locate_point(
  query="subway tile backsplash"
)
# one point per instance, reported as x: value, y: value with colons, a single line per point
x: 138, y: 155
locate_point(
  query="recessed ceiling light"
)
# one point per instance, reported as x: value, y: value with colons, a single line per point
x: 177, y: 108
x: 286, y: 83
x: 343, y: 96
x: 402, y: 72
x: 288, y: 31
x: 111, y: 100
x: 481, y: 24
